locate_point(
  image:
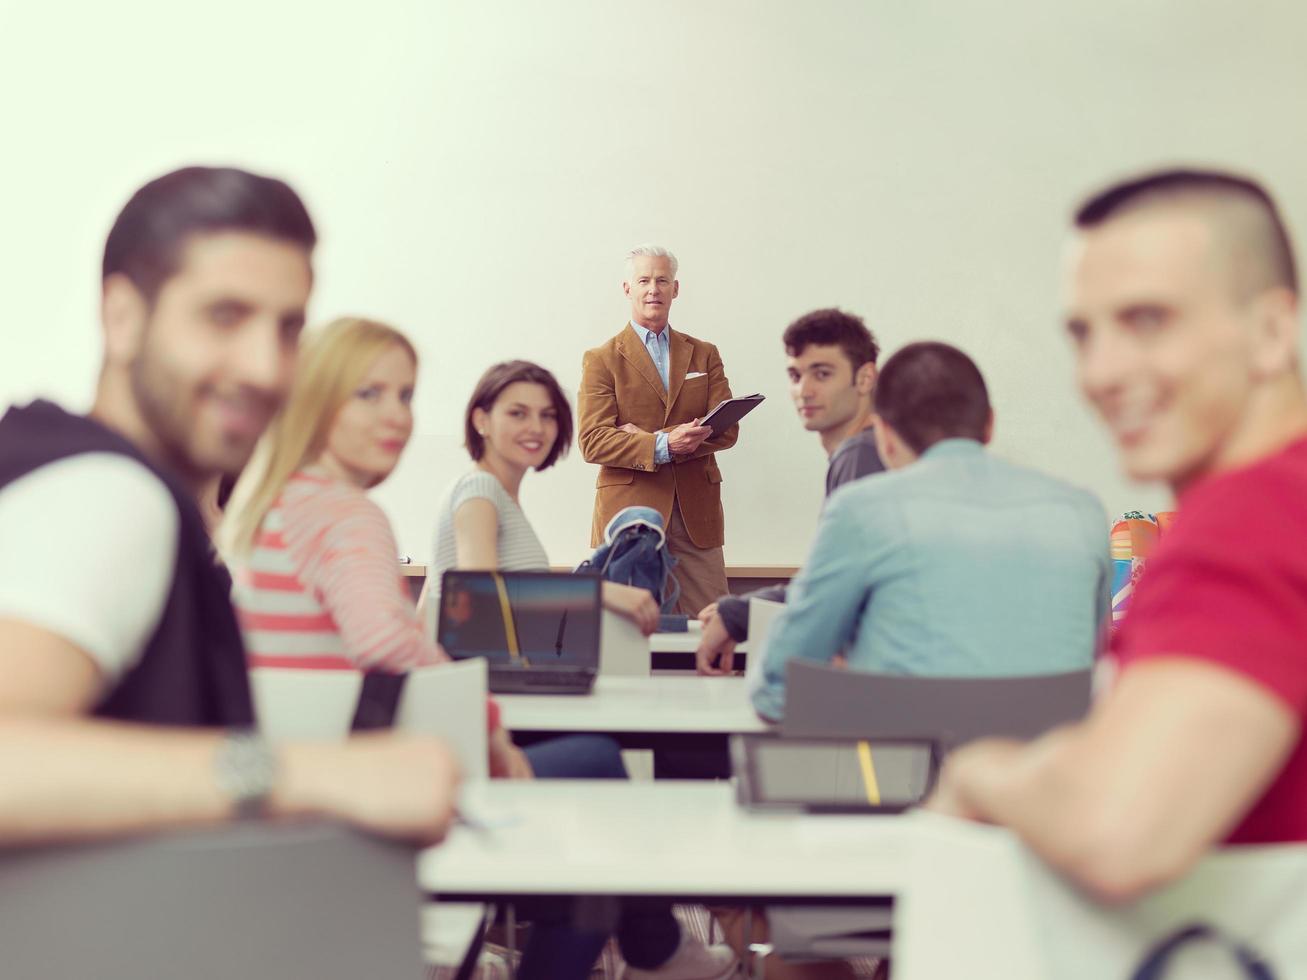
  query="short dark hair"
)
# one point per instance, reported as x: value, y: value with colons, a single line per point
x: 492, y: 385
x: 931, y: 391
x: 150, y: 233
x: 832, y: 327
x: 1269, y: 237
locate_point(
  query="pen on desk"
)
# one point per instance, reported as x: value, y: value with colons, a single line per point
x: 471, y: 823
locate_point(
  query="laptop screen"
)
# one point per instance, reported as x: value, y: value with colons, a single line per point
x: 534, y: 619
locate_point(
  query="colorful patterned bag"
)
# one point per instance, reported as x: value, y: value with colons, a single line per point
x: 1134, y: 536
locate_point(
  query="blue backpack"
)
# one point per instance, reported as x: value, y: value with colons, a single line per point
x: 635, y: 553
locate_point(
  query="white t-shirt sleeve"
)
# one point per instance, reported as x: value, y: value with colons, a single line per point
x: 477, y: 486
x: 87, y: 549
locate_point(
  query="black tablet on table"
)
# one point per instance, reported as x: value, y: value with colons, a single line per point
x: 816, y: 775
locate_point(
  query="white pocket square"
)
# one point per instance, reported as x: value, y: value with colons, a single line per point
x: 695, y: 374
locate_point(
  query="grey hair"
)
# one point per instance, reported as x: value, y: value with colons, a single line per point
x: 653, y: 251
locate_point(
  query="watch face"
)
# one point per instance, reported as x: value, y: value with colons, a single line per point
x: 245, y: 769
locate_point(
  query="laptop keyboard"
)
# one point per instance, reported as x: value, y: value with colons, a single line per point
x: 546, y: 681
x: 529, y: 679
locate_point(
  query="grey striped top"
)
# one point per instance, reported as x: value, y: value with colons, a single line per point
x: 519, y: 550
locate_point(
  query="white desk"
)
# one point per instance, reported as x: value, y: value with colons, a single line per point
x: 675, y: 651
x: 637, y: 708
x: 686, y: 642
x: 678, y: 839
x: 969, y: 900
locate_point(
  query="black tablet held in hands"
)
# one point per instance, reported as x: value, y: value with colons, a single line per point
x: 727, y: 413
x: 842, y: 775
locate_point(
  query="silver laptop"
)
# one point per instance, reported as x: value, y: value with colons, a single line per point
x: 538, y: 631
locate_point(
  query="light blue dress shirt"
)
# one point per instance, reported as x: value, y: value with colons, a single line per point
x: 658, y: 347
x: 959, y: 565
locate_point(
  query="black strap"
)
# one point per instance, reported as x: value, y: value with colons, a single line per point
x: 378, y: 701
x: 468, y: 968
x: 1154, y: 964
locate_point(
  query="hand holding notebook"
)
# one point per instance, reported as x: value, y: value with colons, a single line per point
x: 729, y: 412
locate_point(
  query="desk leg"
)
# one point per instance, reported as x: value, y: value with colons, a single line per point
x: 747, y: 945
x: 510, y: 919
x: 755, y: 953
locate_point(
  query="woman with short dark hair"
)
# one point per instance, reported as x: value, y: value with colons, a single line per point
x: 518, y: 419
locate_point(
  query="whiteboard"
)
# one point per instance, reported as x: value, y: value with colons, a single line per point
x: 477, y: 171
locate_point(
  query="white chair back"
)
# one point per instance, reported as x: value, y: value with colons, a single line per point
x: 298, y: 703
x: 762, y: 614
x: 623, y: 649
x: 981, y: 905
x: 450, y: 701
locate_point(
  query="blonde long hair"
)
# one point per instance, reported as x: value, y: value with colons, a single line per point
x: 333, y: 361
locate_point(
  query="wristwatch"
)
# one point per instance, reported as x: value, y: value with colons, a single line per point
x: 245, y: 768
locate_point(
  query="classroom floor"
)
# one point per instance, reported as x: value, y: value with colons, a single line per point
x: 694, y: 917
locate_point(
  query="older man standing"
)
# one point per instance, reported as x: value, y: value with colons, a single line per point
x: 643, y: 394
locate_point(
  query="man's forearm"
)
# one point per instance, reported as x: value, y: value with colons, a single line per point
x: 981, y: 778
x: 716, y: 444
x: 1033, y: 789
x: 63, y: 779
x: 734, y: 609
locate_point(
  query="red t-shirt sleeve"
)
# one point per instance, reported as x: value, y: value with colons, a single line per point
x: 1229, y: 587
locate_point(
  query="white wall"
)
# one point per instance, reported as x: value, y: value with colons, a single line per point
x: 477, y: 169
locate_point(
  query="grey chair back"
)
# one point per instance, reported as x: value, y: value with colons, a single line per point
x: 824, y: 702
x: 295, y: 902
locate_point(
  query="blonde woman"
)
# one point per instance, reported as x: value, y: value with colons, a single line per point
x: 313, y: 558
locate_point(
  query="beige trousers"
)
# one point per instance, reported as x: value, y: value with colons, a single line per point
x: 701, y: 571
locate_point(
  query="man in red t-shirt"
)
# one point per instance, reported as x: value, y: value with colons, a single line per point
x: 1183, y: 310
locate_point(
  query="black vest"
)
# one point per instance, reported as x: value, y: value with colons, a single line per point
x: 193, y: 669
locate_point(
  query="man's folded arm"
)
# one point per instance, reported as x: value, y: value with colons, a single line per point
x: 601, y: 439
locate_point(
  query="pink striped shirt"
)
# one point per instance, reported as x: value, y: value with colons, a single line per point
x: 322, y: 586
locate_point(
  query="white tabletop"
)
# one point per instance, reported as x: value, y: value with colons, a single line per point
x: 682, y: 839
x: 661, y: 704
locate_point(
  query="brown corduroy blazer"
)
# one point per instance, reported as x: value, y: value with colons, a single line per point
x: 620, y: 384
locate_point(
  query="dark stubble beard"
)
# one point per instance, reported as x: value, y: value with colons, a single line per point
x: 162, y: 403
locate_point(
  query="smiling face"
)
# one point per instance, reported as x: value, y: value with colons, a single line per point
x: 521, y: 427
x: 651, y: 289
x: 374, y: 425
x: 827, y: 392
x: 208, y: 363
x: 1168, y: 348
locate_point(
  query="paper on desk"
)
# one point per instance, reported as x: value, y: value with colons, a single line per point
x: 477, y: 813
